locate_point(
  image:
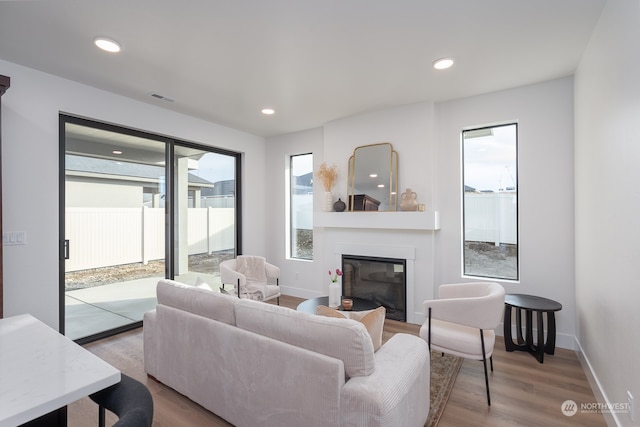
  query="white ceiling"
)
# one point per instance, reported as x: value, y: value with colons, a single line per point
x: 312, y: 60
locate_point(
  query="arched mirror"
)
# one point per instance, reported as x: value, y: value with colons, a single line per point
x: 373, y: 178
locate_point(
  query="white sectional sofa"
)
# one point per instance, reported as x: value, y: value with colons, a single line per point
x: 254, y: 363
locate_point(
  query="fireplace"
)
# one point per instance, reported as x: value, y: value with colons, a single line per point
x: 377, y: 279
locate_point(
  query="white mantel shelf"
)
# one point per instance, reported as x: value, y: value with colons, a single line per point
x: 429, y: 220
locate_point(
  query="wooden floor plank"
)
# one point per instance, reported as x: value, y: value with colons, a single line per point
x: 523, y: 391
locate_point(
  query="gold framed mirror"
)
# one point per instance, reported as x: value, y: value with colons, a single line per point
x: 373, y: 178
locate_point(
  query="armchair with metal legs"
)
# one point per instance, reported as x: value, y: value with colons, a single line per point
x: 252, y: 277
x: 462, y: 322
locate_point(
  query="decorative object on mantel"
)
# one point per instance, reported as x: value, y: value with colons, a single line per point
x: 373, y: 173
x: 327, y: 201
x: 327, y: 176
x: 409, y: 201
x: 339, y: 206
x: 335, y: 289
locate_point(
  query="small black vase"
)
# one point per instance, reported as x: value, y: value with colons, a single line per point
x: 339, y: 206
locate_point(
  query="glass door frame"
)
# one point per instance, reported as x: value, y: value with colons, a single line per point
x: 170, y: 193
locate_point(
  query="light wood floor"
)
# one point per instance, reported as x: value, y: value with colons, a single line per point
x: 523, y: 391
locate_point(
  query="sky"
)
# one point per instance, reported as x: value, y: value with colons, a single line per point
x: 302, y: 165
x: 215, y: 167
x: 490, y: 162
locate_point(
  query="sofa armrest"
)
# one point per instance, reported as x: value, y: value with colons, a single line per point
x: 149, y: 343
x: 397, y: 392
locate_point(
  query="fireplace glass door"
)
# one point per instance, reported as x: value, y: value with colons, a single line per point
x: 380, y: 280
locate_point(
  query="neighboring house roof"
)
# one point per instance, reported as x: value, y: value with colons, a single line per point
x: 115, y: 168
x: 303, y: 184
x: 305, y: 180
x: 221, y: 188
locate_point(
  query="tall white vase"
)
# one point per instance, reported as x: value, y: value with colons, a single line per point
x: 327, y: 201
x: 335, y: 294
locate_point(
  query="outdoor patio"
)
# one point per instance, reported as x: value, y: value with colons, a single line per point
x: 99, y: 308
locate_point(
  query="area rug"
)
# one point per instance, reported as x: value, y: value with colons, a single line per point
x: 444, y: 370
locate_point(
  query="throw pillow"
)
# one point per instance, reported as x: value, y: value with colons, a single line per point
x: 202, y: 284
x: 373, y: 320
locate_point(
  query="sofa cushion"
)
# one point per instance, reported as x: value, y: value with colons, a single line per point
x: 200, y: 301
x: 344, y: 339
x: 373, y: 320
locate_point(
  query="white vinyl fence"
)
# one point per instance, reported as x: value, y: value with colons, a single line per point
x: 302, y: 211
x: 103, y: 237
x: 490, y: 217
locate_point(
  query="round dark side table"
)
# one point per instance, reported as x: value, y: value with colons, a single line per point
x: 359, y: 304
x: 530, y: 304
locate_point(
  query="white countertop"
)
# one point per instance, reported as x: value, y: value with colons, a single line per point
x: 42, y: 370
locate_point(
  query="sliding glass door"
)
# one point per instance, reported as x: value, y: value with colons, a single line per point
x: 137, y: 208
x: 204, y: 213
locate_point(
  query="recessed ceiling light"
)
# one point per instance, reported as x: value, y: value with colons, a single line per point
x: 443, y: 63
x: 117, y: 152
x: 268, y: 111
x: 373, y: 175
x: 107, y: 44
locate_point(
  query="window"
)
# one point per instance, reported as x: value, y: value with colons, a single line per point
x: 301, y: 203
x: 490, y: 202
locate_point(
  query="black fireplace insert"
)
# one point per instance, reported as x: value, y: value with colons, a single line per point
x: 380, y: 280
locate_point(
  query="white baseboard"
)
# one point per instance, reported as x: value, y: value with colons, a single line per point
x: 611, y: 418
x: 299, y: 292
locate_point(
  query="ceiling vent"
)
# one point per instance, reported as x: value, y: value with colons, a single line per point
x: 162, y: 97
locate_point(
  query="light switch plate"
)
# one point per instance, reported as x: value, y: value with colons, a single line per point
x: 13, y: 238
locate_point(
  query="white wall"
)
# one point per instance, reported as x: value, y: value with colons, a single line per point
x: 30, y: 111
x: 409, y: 128
x: 607, y: 157
x: 299, y: 278
x: 427, y: 138
x: 102, y: 193
x: 544, y: 113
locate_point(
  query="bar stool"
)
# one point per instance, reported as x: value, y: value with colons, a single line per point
x: 130, y: 400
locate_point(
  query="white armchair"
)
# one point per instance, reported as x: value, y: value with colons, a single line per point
x: 462, y: 321
x: 252, y: 277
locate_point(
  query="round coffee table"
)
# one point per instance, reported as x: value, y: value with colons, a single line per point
x: 359, y: 304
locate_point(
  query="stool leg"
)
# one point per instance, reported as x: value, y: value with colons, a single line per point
x: 508, y: 339
x: 539, y: 348
x: 101, y: 421
x: 519, y: 325
x: 550, y: 346
x: 529, y: 328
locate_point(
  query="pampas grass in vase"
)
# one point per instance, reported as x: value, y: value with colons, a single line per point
x: 327, y: 176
